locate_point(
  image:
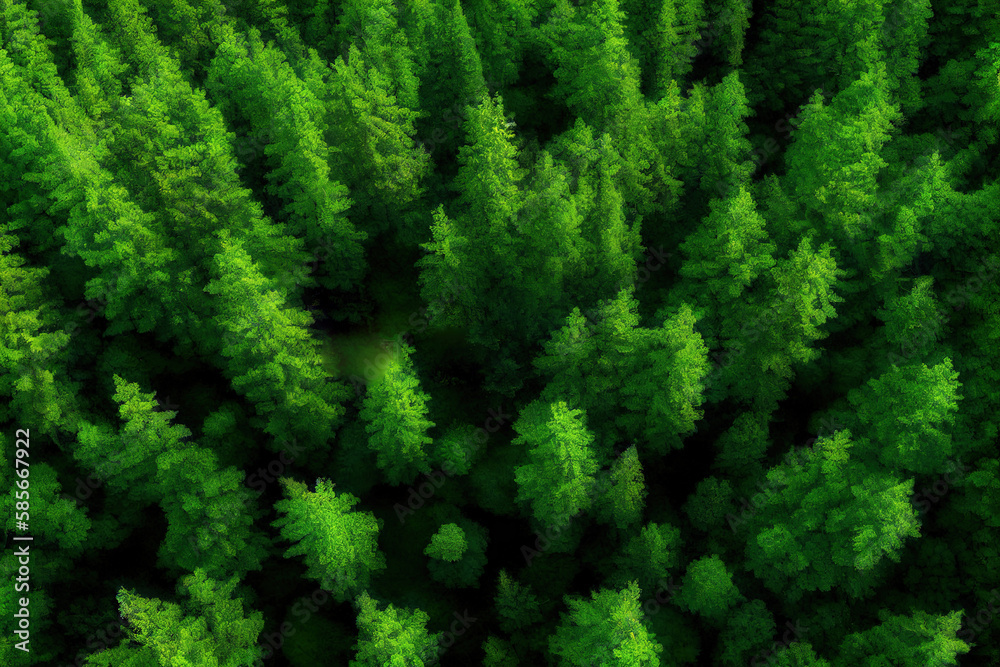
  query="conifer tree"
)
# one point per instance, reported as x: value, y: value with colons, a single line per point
x: 393, y: 636
x: 395, y: 410
x: 339, y: 545
x: 217, y: 633
x: 707, y: 588
x: 457, y: 554
x: 605, y: 630
x: 907, y: 413
x: 516, y: 604
x: 623, y: 501
x: 561, y: 465
x: 912, y: 639
x: 835, y: 521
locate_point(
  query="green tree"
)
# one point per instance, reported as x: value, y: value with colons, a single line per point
x: 372, y: 28
x: 448, y: 543
x: 457, y: 554
x: 749, y: 627
x: 217, y: 633
x: 654, y: 374
x: 907, y: 412
x: 98, y: 73
x: 560, y: 471
x: 392, y: 636
x: 622, y: 502
x: 210, y: 515
x: 708, y: 505
x: 253, y: 81
x: 834, y: 160
x: 488, y: 180
x: 270, y: 355
x: 833, y: 520
x: 724, y: 258
x: 377, y: 156
x: 707, y: 588
x: 516, y: 604
x: 503, y: 33
x: 54, y: 518
x: 611, y: 243
x: 605, y: 630
x: 743, y: 446
x: 726, y: 149
x: 909, y: 640
x: 499, y: 653
x: 798, y: 654
x: 913, y: 323
x: 764, y: 340
x: 452, y: 79
x: 33, y: 361
x: 648, y: 556
x: 395, y: 411
x: 127, y: 458
x: 339, y: 545
x: 818, y: 35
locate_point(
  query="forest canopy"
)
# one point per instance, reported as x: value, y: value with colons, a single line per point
x: 499, y: 332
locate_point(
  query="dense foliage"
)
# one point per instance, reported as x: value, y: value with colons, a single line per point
x: 500, y: 332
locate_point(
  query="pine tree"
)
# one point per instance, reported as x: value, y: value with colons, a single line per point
x: 772, y: 336
x: 605, y: 630
x: 707, y: 588
x: 339, y: 545
x: 457, y: 554
x: 556, y: 480
x: 918, y: 639
x: 726, y: 149
x: 272, y: 359
x: 218, y: 635
x: 648, y: 556
x: 516, y: 604
x: 393, y: 636
x: 623, y: 501
x: 908, y: 411
x: 395, y: 411
x: 255, y: 82
x: 374, y: 132
x: 834, y: 520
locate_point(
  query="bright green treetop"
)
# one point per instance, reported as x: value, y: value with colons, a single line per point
x: 340, y: 546
x: 392, y: 637
x: 606, y: 631
x: 395, y: 411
